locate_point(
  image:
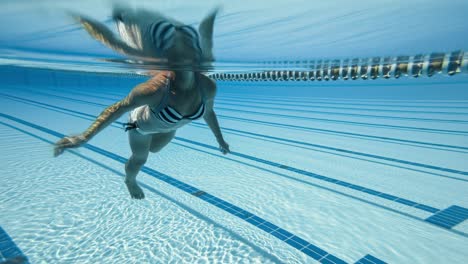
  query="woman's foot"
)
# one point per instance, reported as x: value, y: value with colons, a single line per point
x: 135, y: 191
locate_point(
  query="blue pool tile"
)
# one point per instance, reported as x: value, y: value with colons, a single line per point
x: 370, y: 191
x: 228, y: 204
x: 355, y: 187
x: 237, y: 209
x: 374, y: 259
x: 282, y: 234
x: 330, y: 180
x: 438, y: 222
x: 185, y: 187
x: 222, y: 206
x: 461, y: 210
x: 255, y: 220
x: 206, y: 197
x: 388, y: 196
x: 449, y: 217
x: 192, y: 189
x: 243, y: 214
x: 330, y: 259
x: 216, y: 200
x: 318, y: 176
x: 4, y: 244
x: 231, y: 210
x: 407, y: 202
x: 5, y: 238
x: 297, y: 242
x: 11, y: 252
x: 342, y: 183
x: 363, y: 261
x: 314, y: 252
x: 427, y: 208
x: 266, y: 228
x: 197, y: 192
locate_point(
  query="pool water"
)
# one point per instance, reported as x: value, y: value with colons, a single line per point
x: 364, y: 171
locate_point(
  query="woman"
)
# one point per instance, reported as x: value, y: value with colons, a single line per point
x: 169, y: 100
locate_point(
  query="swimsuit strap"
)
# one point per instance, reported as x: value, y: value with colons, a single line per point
x: 164, y: 101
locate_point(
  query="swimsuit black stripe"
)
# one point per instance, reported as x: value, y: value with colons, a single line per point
x: 199, y: 114
x: 170, y: 114
x: 163, y: 115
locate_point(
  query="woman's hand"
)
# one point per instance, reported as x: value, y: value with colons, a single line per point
x: 224, y: 147
x: 68, y: 142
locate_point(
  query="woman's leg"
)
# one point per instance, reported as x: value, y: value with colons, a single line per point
x: 159, y: 141
x: 140, y: 145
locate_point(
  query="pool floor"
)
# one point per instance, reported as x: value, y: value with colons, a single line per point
x: 310, y: 179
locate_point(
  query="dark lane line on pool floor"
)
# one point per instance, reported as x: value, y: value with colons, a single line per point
x: 220, y: 106
x: 375, y: 138
x: 416, y: 164
x: 92, y: 117
x: 245, y: 134
x: 220, y: 99
x: 330, y: 180
x: 428, y: 130
x: 418, y: 119
x: 278, y: 232
x: 9, y: 251
x: 341, y: 100
x: 334, y: 132
x: 452, y: 221
x: 358, y: 103
x: 303, y: 108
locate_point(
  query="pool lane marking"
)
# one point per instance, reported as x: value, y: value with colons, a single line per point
x: 386, y: 196
x: 369, y: 259
x: 314, y: 105
x: 419, y: 119
x: 9, y: 250
x: 355, y: 187
x: 429, y: 130
x: 221, y: 107
x: 416, y: 164
x: 249, y: 102
x: 450, y: 217
x: 282, y: 101
x: 317, y: 130
x: 282, y: 234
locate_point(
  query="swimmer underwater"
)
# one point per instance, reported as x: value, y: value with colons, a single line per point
x: 167, y: 101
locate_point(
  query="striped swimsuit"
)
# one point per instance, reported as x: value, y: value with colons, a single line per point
x: 161, y: 119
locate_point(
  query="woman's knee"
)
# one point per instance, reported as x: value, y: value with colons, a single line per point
x: 155, y: 149
x: 138, y: 160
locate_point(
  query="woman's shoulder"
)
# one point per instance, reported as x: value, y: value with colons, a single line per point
x: 208, y: 85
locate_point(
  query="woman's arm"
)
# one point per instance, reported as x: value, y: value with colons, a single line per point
x: 145, y: 93
x: 210, y: 116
